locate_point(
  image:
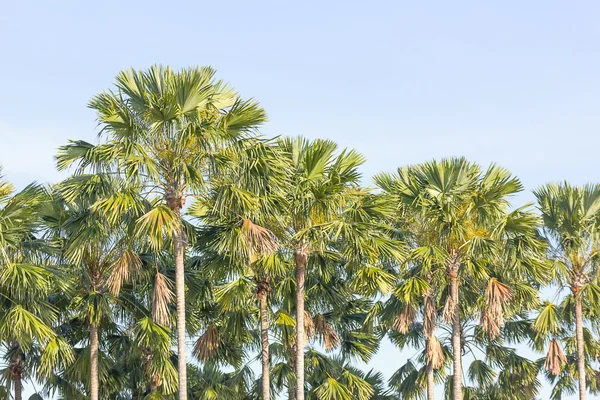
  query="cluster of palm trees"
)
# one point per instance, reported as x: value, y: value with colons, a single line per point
x: 184, y: 226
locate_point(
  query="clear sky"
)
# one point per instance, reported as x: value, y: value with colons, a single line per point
x: 514, y: 82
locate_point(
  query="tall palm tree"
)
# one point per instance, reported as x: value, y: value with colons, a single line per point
x: 553, y: 328
x: 234, y: 234
x: 168, y: 131
x: 26, y: 285
x: 326, y: 215
x: 468, y: 212
x: 419, y: 282
x: 99, y: 253
x: 572, y: 221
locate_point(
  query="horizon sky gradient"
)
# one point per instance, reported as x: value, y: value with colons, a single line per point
x: 515, y: 83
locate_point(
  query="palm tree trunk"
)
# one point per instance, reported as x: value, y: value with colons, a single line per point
x: 429, y: 325
x: 179, y: 249
x: 16, y: 369
x: 264, y: 335
x: 291, y: 383
x: 18, y: 388
x: 580, y: 347
x: 430, y: 379
x: 301, y: 258
x: 94, y: 384
x: 456, y: 340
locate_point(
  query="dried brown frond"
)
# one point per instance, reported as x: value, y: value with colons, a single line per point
x: 556, y: 359
x: 260, y: 240
x: 435, y: 353
x: 449, y: 308
x: 127, y: 265
x: 429, y: 316
x: 207, y: 344
x: 309, y: 326
x: 497, y: 294
x: 405, y: 319
x: 326, y: 333
x: 161, y: 297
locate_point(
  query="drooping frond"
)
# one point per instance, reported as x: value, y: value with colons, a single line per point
x: 497, y: 294
x: 405, y: 319
x: 162, y: 296
x: 207, y: 345
x: 555, y: 359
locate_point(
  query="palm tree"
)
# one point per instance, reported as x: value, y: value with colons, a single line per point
x: 26, y: 285
x: 168, y: 131
x: 234, y: 234
x: 472, y: 228
x: 417, y: 290
x: 553, y: 327
x: 414, y: 298
x: 326, y: 216
x: 100, y: 255
x: 572, y: 221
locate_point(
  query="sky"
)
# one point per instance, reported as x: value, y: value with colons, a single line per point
x: 511, y: 82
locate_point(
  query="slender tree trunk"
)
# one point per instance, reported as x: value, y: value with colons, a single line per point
x: 154, y: 380
x: 16, y: 370
x: 94, y: 384
x: 175, y: 200
x: 429, y: 326
x: 292, y: 382
x: 456, y: 340
x: 301, y: 259
x: 179, y: 248
x: 430, y: 378
x: 18, y: 388
x: 264, y: 336
x: 580, y: 347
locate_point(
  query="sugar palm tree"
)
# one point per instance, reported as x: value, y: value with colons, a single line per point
x: 235, y: 238
x: 553, y: 328
x: 572, y: 221
x: 325, y: 215
x: 167, y: 131
x: 415, y: 304
x: 100, y: 254
x: 26, y: 284
x: 467, y: 212
x: 419, y: 283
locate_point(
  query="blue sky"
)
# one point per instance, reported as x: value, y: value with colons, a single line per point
x: 512, y: 82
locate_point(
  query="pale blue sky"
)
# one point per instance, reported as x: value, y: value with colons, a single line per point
x: 516, y: 82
